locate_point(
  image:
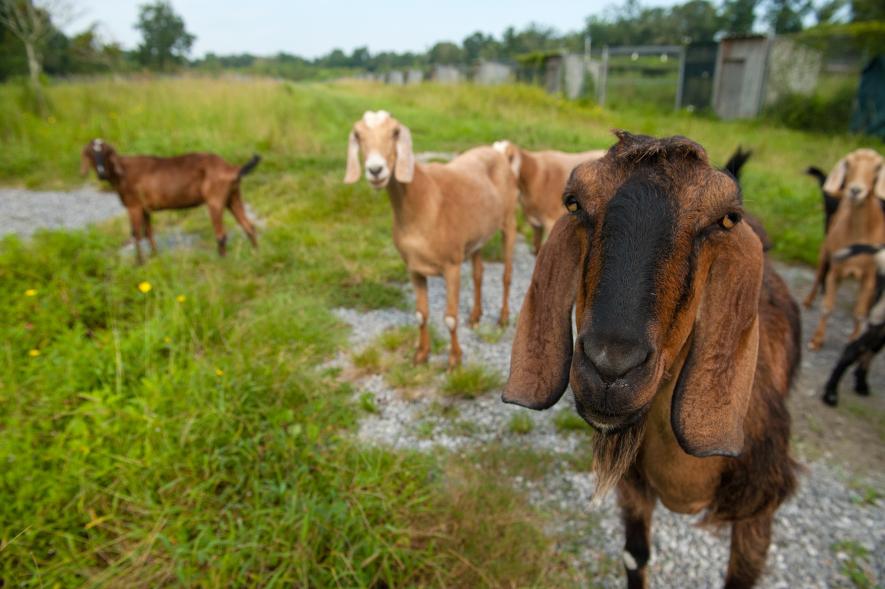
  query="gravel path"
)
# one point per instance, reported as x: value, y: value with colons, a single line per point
x: 826, y: 510
x: 23, y: 212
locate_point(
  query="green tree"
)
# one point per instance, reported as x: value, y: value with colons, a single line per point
x: 165, y: 41
x: 785, y: 16
x: 739, y: 16
x: 866, y: 10
x: 445, y: 53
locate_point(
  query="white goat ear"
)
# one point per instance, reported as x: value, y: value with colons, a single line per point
x: 352, y: 171
x: 833, y: 184
x: 879, y: 188
x: 405, y: 158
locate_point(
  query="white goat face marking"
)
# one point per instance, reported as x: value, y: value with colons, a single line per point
x: 375, y: 118
x: 501, y: 146
x: 630, y: 562
x: 374, y: 161
x: 451, y: 322
x: 97, y: 144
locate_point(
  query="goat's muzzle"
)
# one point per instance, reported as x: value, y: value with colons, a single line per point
x: 608, y: 377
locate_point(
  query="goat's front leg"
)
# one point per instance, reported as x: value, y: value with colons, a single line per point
x: 136, y: 221
x: 537, y: 238
x: 476, y: 312
x: 830, y: 289
x: 864, y: 301
x: 637, y: 504
x: 149, y: 232
x: 820, y: 276
x: 509, y: 244
x: 215, y: 213
x: 749, y: 548
x: 422, y: 312
x: 874, y: 346
x: 452, y: 276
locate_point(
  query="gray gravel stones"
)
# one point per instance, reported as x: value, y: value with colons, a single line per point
x: 23, y: 212
x: 810, y: 532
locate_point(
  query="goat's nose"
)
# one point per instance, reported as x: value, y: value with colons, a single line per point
x: 855, y: 190
x: 614, y: 359
x: 375, y: 170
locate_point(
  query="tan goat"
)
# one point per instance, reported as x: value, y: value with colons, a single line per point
x: 541, y: 176
x: 442, y: 214
x: 858, y: 182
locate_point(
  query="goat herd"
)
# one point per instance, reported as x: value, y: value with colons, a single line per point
x: 687, y: 339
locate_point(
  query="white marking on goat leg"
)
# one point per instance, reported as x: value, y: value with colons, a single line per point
x: 420, y: 317
x: 451, y: 322
x: 630, y: 562
x: 375, y: 118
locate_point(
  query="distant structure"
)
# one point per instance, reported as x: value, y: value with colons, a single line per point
x: 446, y: 74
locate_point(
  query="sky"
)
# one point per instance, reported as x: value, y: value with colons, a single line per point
x: 311, y: 29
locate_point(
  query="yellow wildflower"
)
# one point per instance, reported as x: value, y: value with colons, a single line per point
x: 219, y: 372
x: 34, y: 353
x: 144, y: 287
x: 181, y: 298
x: 31, y: 292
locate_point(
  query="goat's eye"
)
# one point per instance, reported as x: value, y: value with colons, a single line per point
x: 571, y: 204
x: 396, y: 133
x: 729, y: 220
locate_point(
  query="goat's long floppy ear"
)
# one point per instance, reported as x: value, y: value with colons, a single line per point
x: 879, y: 187
x: 712, y: 393
x: 833, y: 184
x: 405, y: 158
x: 352, y: 171
x: 85, y: 161
x: 542, y: 349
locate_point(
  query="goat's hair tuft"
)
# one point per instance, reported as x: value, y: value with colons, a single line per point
x: 613, y: 453
x: 637, y: 148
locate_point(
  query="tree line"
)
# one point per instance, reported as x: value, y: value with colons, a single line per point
x: 166, y: 42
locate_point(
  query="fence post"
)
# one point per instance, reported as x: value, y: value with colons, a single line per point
x: 603, y: 76
x: 681, y: 77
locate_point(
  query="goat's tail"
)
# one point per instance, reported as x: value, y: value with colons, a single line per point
x: 817, y: 174
x: 736, y: 162
x: 249, y: 166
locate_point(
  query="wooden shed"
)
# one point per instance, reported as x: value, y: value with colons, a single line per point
x: 739, y: 84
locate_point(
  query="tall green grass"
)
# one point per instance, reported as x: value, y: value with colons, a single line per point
x: 190, y: 434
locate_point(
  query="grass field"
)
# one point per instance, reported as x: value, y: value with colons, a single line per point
x: 190, y: 433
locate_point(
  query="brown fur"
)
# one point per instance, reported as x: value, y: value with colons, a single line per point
x: 858, y: 182
x: 442, y: 215
x: 707, y: 421
x: 541, y: 177
x: 147, y: 184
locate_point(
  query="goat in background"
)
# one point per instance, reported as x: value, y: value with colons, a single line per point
x: 541, y: 176
x: 147, y: 184
x: 687, y: 345
x: 858, y: 182
x: 442, y: 214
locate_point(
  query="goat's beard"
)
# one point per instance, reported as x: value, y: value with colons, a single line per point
x: 613, y: 454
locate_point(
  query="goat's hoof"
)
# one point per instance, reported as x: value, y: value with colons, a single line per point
x: 504, y: 321
x: 830, y: 398
x: 814, y: 345
x: 807, y: 304
x: 421, y: 357
x: 473, y: 321
x: 454, y: 362
x: 863, y: 391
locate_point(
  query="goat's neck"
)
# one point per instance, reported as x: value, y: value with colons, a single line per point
x: 528, y: 170
x: 415, y: 203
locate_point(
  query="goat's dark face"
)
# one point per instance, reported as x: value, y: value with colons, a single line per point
x: 665, y: 277
x: 102, y: 157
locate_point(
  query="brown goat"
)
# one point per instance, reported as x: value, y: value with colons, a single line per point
x: 147, y: 184
x: 858, y: 183
x: 442, y: 214
x: 687, y: 345
x: 541, y: 176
